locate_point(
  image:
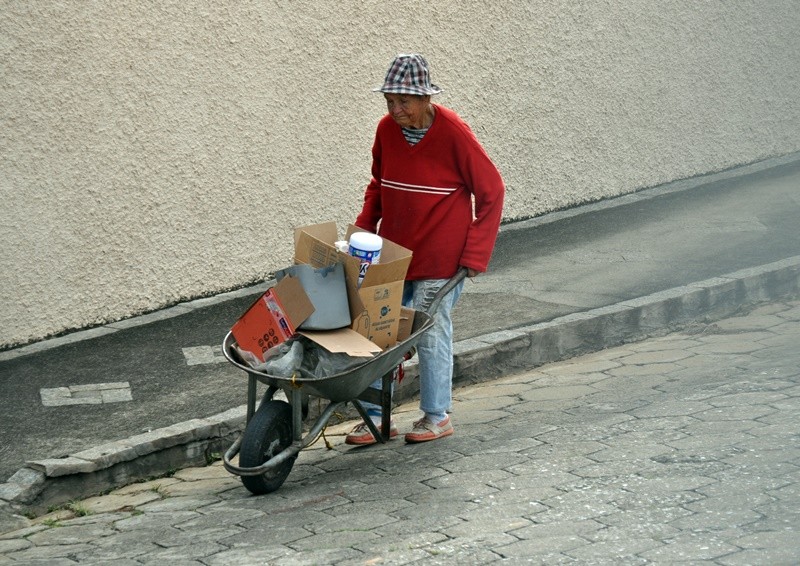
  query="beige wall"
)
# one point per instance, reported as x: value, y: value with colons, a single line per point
x: 156, y: 151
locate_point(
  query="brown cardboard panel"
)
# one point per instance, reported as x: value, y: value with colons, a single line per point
x: 293, y: 297
x: 406, y: 323
x: 380, y: 319
x: 343, y: 340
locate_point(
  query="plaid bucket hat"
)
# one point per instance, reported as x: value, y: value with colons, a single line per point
x: 408, y: 74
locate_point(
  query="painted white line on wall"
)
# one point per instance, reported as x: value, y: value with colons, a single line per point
x: 90, y: 394
x: 199, y: 355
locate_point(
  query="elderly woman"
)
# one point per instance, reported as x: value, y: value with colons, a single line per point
x: 435, y: 191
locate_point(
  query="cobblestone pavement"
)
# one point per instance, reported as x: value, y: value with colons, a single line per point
x: 682, y: 448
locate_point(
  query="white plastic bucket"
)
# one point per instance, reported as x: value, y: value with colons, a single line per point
x: 367, y: 248
x: 325, y: 287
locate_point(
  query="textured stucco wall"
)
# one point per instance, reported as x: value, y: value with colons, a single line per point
x: 153, y: 152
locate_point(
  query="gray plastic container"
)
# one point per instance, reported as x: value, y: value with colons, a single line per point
x: 325, y: 287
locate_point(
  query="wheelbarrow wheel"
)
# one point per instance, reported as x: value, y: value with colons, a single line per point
x: 266, y: 435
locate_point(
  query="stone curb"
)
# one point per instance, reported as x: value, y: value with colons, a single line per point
x: 42, y: 484
x: 45, y: 483
x: 522, y: 349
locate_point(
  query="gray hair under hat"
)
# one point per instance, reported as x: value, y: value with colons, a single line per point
x: 408, y: 74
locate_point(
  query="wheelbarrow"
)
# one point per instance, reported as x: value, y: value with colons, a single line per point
x: 273, y: 435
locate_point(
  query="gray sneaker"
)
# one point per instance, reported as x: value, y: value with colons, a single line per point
x: 424, y: 430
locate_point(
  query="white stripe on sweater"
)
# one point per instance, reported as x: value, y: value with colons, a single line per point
x: 418, y: 188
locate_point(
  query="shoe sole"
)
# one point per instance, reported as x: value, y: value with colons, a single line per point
x: 364, y: 441
x: 418, y: 439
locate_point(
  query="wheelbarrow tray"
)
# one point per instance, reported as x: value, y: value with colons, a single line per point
x: 346, y: 385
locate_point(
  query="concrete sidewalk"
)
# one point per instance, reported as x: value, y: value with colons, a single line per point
x: 678, y: 449
x: 96, y: 409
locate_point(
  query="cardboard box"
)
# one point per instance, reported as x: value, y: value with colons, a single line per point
x: 375, y: 307
x: 273, y: 317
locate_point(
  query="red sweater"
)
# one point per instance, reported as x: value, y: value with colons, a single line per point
x: 422, y: 195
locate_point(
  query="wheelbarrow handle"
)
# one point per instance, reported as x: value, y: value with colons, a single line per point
x: 431, y: 307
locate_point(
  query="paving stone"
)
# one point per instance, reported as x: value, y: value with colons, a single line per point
x: 734, y: 413
x: 491, y: 393
x: 116, y: 548
x: 138, y: 487
x: 768, y: 542
x: 402, y: 549
x: 461, y: 551
x: 752, y: 321
x: 256, y: 553
x: 13, y: 545
x: 545, y: 549
x: 499, y: 460
x: 182, y: 503
x: 665, y: 425
x: 696, y: 547
x: 270, y: 531
x: 211, y: 518
x: 105, y: 504
x: 597, y: 380
x: 503, y: 506
x: 591, y: 364
x: 463, y: 418
x: 637, y: 453
x: 780, y: 555
x: 49, y: 554
x: 216, y: 471
x: 153, y: 521
x: 635, y: 517
x: 642, y: 370
x: 656, y: 532
x: 730, y: 344
x: 558, y: 393
x: 655, y: 357
x: 585, y: 529
x: 618, y: 550
x: 193, y: 553
x: 673, y: 408
x: 333, y: 539
x: 212, y: 485
x: 791, y: 314
x: 709, y: 363
x: 673, y: 342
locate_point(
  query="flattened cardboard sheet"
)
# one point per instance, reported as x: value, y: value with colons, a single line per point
x: 344, y: 341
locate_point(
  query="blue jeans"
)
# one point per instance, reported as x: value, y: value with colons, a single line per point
x: 435, y: 348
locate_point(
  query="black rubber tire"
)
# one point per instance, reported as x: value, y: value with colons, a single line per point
x: 267, y: 434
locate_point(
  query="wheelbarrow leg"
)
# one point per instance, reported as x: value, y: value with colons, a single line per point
x: 367, y: 420
x: 251, y: 396
x: 297, y: 414
x: 386, y: 405
x: 252, y: 391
